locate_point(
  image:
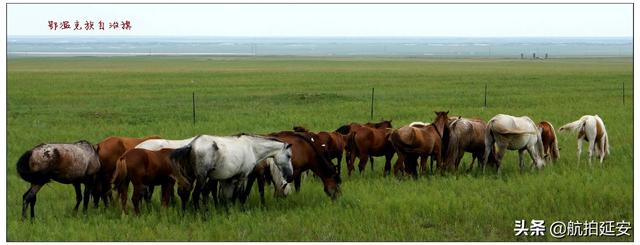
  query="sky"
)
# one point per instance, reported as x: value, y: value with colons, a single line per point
x: 330, y: 20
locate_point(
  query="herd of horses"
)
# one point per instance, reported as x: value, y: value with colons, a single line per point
x: 225, y: 167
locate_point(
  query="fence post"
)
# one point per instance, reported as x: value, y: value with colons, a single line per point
x: 485, y: 95
x: 372, y: 92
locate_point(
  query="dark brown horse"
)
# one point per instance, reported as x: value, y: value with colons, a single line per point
x: 331, y: 143
x: 411, y: 143
x: 143, y: 168
x: 549, y: 141
x: 365, y: 142
x: 465, y: 135
x: 109, y: 151
x: 306, y: 155
x: 74, y: 164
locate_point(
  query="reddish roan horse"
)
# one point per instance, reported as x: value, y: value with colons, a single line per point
x: 367, y: 141
x: 331, y: 143
x: 306, y: 155
x: 143, y: 168
x: 411, y: 143
x: 109, y: 150
x: 549, y: 141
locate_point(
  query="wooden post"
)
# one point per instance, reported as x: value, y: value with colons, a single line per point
x: 372, y: 92
x: 193, y: 103
x: 485, y: 95
x: 622, y: 93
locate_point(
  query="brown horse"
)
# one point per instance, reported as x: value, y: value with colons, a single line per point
x: 465, y: 135
x: 306, y: 155
x: 411, y: 143
x: 143, y: 168
x: 331, y: 143
x: 74, y: 164
x: 549, y: 141
x: 109, y: 151
x: 367, y: 141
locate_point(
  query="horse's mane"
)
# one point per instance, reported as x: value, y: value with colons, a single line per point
x: 300, y: 129
x: 344, y: 129
x: 319, y: 156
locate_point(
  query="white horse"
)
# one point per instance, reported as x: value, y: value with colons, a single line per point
x: 590, y: 129
x: 281, y: 186
x: 513, y: 133
x: 226, y: 159
x: 157, y: 144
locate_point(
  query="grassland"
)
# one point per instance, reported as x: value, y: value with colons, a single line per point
x: 68, y: 99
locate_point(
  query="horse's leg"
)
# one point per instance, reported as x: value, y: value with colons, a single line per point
x: 601, y: 150
x: 297, y: 180
x: 136, y: 197
x: 247, y: 189
x: 148, y: 193
x: 261, y: 181
x: 387, y: 163
x: 362, y: 162
x: 184, y: 192
x: 431, y: 165
x: 591, y: 149
x: 521, y: 159
x: 473, y: 159
x: 197, y: 191
x: 500, y: 151
x: 29, y: 199
x: 88, y: 187
x: 579, y: 149
x: 168, y: 192
x: 399, y: 164
x: 97, y: 191
x: 371, y: 160
x: 423, y: 165
x: 123, y: 190
x: 76, y: 186
x: 350, y: 162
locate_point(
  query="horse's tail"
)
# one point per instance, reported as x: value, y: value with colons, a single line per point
x: 555, y: 151
x: 180, y: 158
x: 453, y: 145
x: 574, y: 127
x: 23, y: 166
x: 489, y: 139
x: 120, y: 174
x: 351, y: 145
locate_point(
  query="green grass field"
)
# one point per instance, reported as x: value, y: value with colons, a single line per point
x: 68, y: 99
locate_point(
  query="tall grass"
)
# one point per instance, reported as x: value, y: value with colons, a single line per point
x: 68, y: 99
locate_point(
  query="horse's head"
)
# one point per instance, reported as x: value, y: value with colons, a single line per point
x: 283, y: 161
x: 332, y: 186
x: 441, y: 120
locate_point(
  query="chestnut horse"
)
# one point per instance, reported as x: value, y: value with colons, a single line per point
x: 411, y: 143
x: 549, y: 141
x: 143, y: 168
x: 331, y: 143
x: 306, y: 155
x: 367, y: 141
x: 109, y: 150
x: 75, y: 164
